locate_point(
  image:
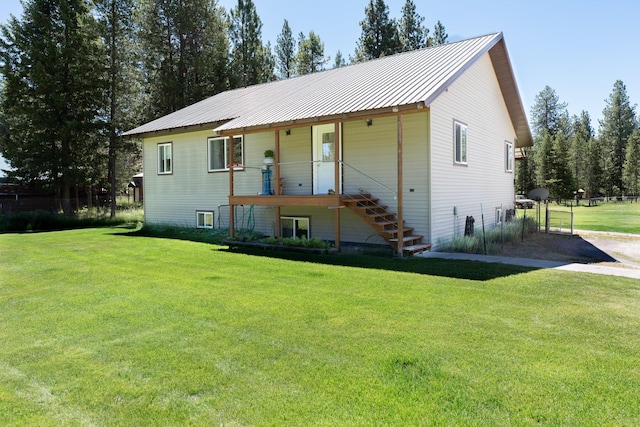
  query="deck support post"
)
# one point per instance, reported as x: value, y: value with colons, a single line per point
x: 277, y: 185
x: 400, y: 191
x: 232, y: 219
x: 337, y: 165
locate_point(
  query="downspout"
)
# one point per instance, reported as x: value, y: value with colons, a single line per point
x: 232, y: 218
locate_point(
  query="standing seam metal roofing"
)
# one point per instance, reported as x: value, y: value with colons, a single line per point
x: 404, y: 79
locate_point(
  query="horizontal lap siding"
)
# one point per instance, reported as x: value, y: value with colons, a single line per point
x: 475, y: 100
x: 175, y: 198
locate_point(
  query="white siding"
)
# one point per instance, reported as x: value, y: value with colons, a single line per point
x: 474, y: 99
x: 175, y: 198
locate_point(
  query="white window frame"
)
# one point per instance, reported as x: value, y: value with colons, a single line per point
x: 498, y: 216
x: 508, y: 157
x: 165, y: 168
x: 296, y: 219
x: 201, y: 219
x: 460, y: 143
x: 225, y: 142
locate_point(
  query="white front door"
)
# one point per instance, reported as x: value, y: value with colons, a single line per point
x: 323, y: 159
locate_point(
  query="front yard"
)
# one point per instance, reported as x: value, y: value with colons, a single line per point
x: 100, y: 326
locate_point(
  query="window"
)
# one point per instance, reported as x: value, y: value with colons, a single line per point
x: 204, y: 219
x: 219, y: 152
x: 460, y: 142
x: 508, y: 156
x: 498, y: 216
x: 296, y: 227
x: 164, y: 158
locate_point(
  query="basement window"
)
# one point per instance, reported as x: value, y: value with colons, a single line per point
x: 204, y: 219
x: 296, y: 227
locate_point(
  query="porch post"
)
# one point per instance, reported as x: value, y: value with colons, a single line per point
x: 336, y: 184
x: 400, y: 191
x: 232, y: 218
x: 277, y: 184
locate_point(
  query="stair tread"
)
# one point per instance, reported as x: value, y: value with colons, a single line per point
x: 407, y: 238
x: 417, y: 248
x: 395, y: 230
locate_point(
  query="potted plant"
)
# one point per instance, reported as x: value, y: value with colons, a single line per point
x: 269, y: 157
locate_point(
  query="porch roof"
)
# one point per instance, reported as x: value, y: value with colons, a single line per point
x: 410, y: 80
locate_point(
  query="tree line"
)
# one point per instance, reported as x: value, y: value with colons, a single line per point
x: 570, y: 159
x: 76, y: 74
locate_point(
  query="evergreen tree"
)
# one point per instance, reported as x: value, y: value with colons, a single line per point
x: 562, y: 183
x: 595, y: 180
x: 525, y: 172
x: 52, y: 64
x: 582, y: 133
x: 285, y: 52
x: 339, y: 61
x: 310, y: 57
x: 548, y: 114
x: 618, y: 123
x: 251, y: 61
x: 440, y: 36
x: 185, y: 52
x: 544, y: 157
x: 413, y: 34
x: 379, y: 33
x: 632, y: 164
x: 123, y: 78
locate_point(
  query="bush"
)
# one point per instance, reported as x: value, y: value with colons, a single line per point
x: 20, y: 222
x: 475, y: 244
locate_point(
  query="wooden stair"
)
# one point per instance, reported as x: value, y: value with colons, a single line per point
x: 384, y: 223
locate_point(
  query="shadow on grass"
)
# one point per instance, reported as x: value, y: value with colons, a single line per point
x: 470, y: 270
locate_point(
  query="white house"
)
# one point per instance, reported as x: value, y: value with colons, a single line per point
x: 423, y: 138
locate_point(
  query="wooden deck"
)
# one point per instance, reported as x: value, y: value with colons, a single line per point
x: 320, y: 200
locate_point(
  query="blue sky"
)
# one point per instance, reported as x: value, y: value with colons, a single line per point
x: 577, y: 48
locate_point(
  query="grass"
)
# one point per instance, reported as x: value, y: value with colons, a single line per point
x: 46, y: 221
x: 101, y: 326
x: 621, y: 217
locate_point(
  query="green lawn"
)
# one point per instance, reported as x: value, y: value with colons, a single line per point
x: 103, y: 327
x: 611, y: 216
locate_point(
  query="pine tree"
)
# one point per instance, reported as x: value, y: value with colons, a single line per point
x: 549, y: 114
x: 185, y: 53
x: 339, y: 61
x: 379, y: 33
x: 595, y: 180
x: 310, y: 57
x: 582, y: 133
x: 285, y: 52
x: 52, y: 63
x: 250, y: 60
x: 123, y: 78
x: 618, y: 123
x: 440, y: 36
x: 562, y: 183
x: 413, y: 34
x: 632, y: 164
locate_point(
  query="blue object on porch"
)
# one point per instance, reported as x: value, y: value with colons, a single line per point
x: 266, y: 181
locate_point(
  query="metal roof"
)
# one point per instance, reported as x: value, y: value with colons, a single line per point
x: 412, y: 79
